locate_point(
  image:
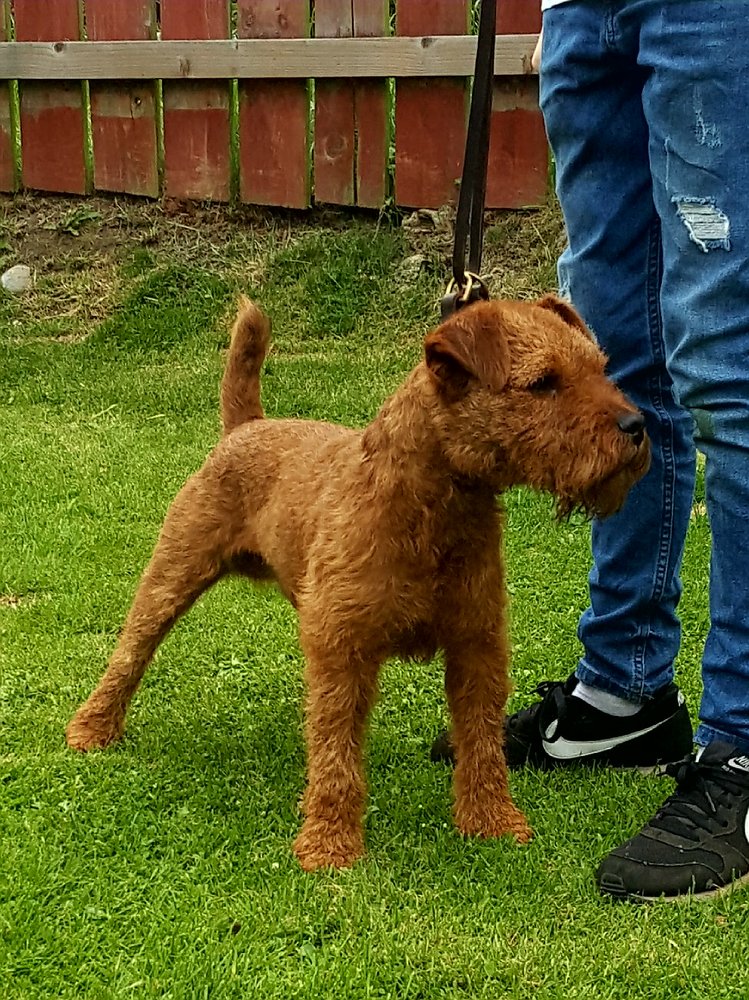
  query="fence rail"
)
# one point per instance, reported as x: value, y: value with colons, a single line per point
x: 266, y: 58
x: 276, y: 102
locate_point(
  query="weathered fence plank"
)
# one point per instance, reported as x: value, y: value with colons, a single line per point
x: 518, y: 151
x: 274, y: 167
x: 335, y: 129
x: 7, y: 158
x: 52, y: 132
x: 372, y: 117
x: 123, y: 116
x: 351, y: 124
x: 197, y: 140
x: 430, y: 114
x: 518, y: 17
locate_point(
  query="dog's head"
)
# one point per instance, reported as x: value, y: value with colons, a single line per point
x: 521, y: 396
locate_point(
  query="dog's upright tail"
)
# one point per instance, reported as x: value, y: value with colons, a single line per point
x: 240, y: 386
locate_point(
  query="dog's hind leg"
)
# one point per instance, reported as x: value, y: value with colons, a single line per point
x: 341, y: 691
x: 189, y: 557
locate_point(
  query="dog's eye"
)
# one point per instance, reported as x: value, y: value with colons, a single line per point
x: 545, y: 384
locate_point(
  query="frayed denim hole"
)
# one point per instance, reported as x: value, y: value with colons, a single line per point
x: 708, y: 227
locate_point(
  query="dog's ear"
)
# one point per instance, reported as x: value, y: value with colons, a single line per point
x: 565, y: 311
x: 469, y: 346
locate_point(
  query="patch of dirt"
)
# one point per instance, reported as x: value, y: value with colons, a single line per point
x: 41, y: 229
x: 77, y: 247
x: 16, y: 601
x: 520, y: 247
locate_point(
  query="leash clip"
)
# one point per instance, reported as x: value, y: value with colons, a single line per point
x: 457, y: 295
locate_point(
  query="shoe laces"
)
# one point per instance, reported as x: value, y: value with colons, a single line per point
x: 546, y: 691
x: 695, y: 806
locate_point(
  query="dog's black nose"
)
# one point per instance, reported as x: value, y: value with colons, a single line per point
x: 634, y: 425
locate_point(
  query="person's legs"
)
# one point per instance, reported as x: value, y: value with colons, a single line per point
x: 591, y: 95
x: 696, y: 55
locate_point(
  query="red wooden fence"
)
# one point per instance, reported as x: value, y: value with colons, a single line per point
x: 518, y: 153
x: 273, y: 114
x: 283, y: 142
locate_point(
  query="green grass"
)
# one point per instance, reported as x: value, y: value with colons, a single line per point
x: 163, y: 866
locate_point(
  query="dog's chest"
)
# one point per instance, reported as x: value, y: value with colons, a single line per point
x: 417, y: 610
x: 419, y: 642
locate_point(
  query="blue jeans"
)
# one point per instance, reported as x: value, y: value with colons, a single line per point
x: 647, y: 110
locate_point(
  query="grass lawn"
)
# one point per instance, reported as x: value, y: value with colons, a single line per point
x: 162, y: 867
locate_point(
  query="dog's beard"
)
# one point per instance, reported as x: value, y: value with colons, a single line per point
x: 607, y: 496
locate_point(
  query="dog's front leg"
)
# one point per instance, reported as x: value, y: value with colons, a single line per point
x: 477, y: 687
x: 341, y: 690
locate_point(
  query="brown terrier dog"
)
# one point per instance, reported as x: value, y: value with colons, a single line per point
x: 387, y: 540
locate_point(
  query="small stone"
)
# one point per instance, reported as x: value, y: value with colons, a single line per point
x: 411, y: 268
x: 17, y: 278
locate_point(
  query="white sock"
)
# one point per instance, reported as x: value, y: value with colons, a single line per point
x: 610, y: 703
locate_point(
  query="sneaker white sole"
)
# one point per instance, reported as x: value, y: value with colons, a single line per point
x: 684, y: 897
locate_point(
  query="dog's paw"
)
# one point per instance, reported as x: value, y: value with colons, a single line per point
x: 93, y: 732
x: 520, y: 830
x: 317, y: 848
x: 502, y: 823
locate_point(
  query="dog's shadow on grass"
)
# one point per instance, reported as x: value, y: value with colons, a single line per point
x: 578, y: 815
x: 223, y: 745
x: 231, y: 778
x: 229, y: 748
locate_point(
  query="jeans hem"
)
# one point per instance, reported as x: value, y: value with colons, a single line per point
x: 707, y: 734
x: 588, y: 675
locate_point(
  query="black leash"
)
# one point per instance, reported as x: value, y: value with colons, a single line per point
x: 465, y: 285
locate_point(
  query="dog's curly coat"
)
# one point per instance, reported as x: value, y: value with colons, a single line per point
x: 387, y: 540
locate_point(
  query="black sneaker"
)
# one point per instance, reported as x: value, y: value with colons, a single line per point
x: 698, y: 843
x: 560, y: 730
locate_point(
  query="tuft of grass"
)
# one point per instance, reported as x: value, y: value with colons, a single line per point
x: 163, y: 866
x: 336, y: 285
x: 168, y: 308
x: 77, y: 219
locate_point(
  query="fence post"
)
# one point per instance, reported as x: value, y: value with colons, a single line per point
x: 274, y: 167
x: 8, y: 177
x: 123, y: 114
x: 52, y: 129
x: 351, y: 125
x: 197, y: 137
x: 518, y: 151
